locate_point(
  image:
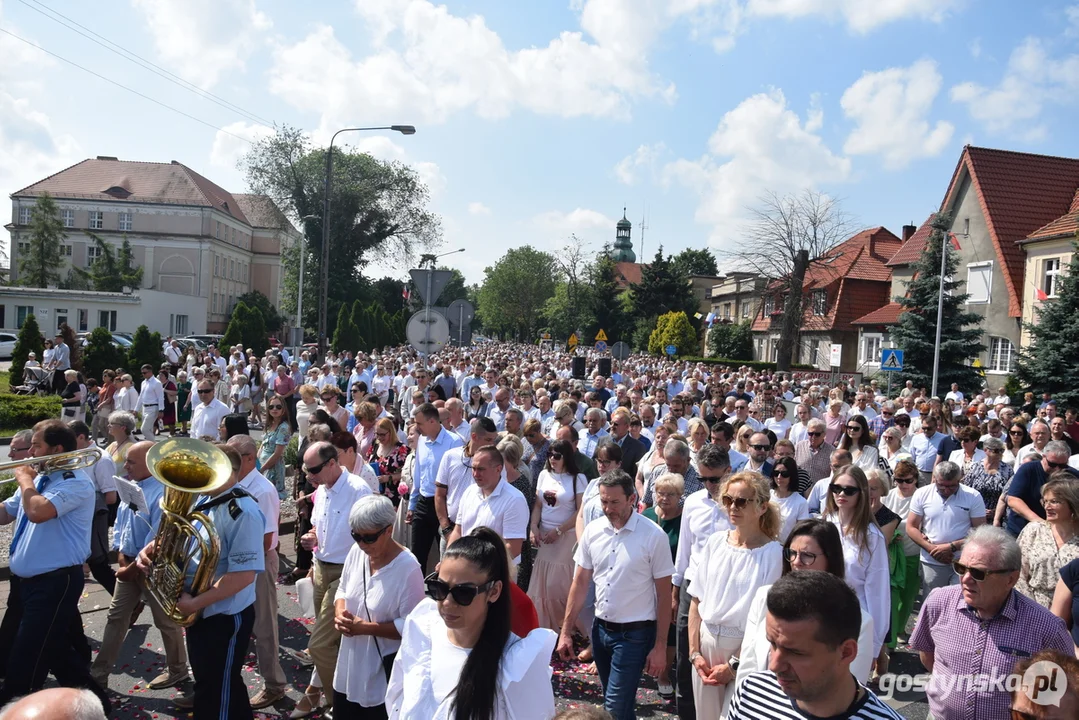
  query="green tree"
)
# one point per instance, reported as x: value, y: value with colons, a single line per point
x: 246, y: 327
x: 732, y: 341
x: 39, y: 265
x: 673, y: 328
x: 1048, y: 364
x: 273, y: 319
x: 915, y: 332
x: 662, y: 289
x: 30, y: 340
x: 388, y: 293
x: 563, y: 316
x: 145, y: 350
x: 111, y: 271
x: 347, y: 335
x: 101, y: 353
x: 514, y: 292
x: 696, y: 261
x: 607, y: 301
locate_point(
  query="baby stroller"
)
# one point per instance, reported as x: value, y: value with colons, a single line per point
x: 35, y: 382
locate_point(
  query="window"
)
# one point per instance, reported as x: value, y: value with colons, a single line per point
x: 84, y: 320
x: 727, y: 310
x: 232, y: 235
x: 218, y: 231
x: 871, y: 345
x: 93, y: 252
x: 775, y: 350
x: 61, y: 317
x: 820, y: 302
x: 24, y: 215
x: 769, y: 305
x: 232, y: 267
x: 65, y: 250
x: 217, y: 272
x: 245, y: 272
x: 125, y: 222
x: 24, y: 247
x: 213, y: 303
x: 979, y: 282
x: 97, y: 220
x: 21, y: 313
x: 1051, y: 276
x: 107, y: 319
x: 745, y: 309
x: 1001, y: 356
x: 178, y: 323
x: 68, y: 216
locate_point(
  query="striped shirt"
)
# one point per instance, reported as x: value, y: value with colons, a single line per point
x: 816, y: 462
x: 759, y: 697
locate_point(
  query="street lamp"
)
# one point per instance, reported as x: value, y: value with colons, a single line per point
x: 299, y: 294
x: 325, y: 267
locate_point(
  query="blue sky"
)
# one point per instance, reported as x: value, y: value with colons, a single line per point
x: 540, y: 119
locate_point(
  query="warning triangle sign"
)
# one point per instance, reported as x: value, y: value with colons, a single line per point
x: 892, y: 362
x: 572, y: 342
x: 601, y: 336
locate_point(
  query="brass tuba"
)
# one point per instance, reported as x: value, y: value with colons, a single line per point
x: 187, y: 468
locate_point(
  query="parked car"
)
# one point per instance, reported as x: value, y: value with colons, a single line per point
x: 118, y: 339
x: 7, y: 345
x: 206, y: 339
x: 187, y: 342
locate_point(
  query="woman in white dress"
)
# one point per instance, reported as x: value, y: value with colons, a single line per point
x: 864, y: 548
x: 733, y: 565
x: 785, y: 496
x: 380, y: 585
x: 458, y: 659
x: 857, y: 439
x: 778, y: 423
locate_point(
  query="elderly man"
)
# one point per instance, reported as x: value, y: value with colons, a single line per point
x: 207, y: 413
x: 497, y: 412
x: 813, y: 453
x: 515, y: 420
x: 940, y: 517
x: 675, y: 460
x: 1024, y: 495
x: 456, y: 423
x: 55, y: 704
x: 979, y: 628
x: 632, y: 449
x: 594, y: 421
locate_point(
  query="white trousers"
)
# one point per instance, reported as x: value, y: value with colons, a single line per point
x: 149, y: 423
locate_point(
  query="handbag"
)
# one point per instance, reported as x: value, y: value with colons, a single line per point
x: 387, y: 660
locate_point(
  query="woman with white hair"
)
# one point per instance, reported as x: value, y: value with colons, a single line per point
x: 380, y: 585
x: 70, y: 397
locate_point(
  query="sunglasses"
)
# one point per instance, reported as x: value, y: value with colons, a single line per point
x: 275, y: 407
x: 854, y: 428
x: 762, y: 448
x: 781, y: 473
x: 739, y: 503
x: 1015, y: 432
x: 979, y: 574
x: 463, y: 594
x: 1055, y: 466
x: 556, y: 456
x: 848, y: 490
x: 205, y: 392
x: 814, y: 434
x: 904, y: 479
x: 712, y: 479
x: 317, y: 468
x: 792, y: 555
x: 887, y: 414
x: 369, y: 539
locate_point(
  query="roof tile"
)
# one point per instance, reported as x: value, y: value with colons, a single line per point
x: 887, y: 315
x: 912, y: 248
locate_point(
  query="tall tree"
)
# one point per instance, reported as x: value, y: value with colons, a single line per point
x: 389, y: 292
x: 111, y: 271
x: 696, y: 261
x: 39, y: 266
x: 731, y: 341
x: 1048, y: 364
x: 564, y: 316
x: 662, y: 289
x: 255, y: 299
x: 30, y: 341
x: 608, y: 301
x: 915, y: 333
x: 786, y: 235
x: 101, y: 354
x: 515, y: 290
x: 571, y: 268
x: 145, y: 350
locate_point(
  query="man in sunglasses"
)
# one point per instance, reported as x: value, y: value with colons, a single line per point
x: 813, y: 453
x: 759, y: 449
x: 207, y: 414
x: 1025, y: 493
x: 979, y: 628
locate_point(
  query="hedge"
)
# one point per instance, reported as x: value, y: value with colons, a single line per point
x: 753, y: 364
x: 20, y: 412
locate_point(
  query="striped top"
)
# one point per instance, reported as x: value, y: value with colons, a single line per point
x: 759, y: 697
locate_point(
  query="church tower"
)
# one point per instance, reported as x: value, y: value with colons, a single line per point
x: 623, y: 245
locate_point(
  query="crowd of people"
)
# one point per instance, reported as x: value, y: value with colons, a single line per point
x: 756, y: 543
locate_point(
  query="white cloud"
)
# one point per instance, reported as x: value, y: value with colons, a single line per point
x: 228, y: 148
x: 890, y: 108
x: 860, y: 16
x: 1031, y: 79
x: 432, y: 176
x: 204, y: 40
x: 644, y: 158
x: 760, y: 146
x: 30, y: 149
x: 975, y: 48
x: 591, y: 226
x: 478, y: 208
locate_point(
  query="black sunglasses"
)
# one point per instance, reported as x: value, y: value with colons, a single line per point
x: 904, y: 479
x: 463, y: 594
x: 318, y: 468
x: 712, y: 479
x: 1055, y: 466
x: 275, y: 407
x: 368, y: 539
x: 854, y: 427
x: 555, y: 456
x: 781, y: 473
x: 762, y: 448
x: 205, y: 392
x: 848, y: 490
x: 739, y: 503
x: 979, y: 574
x: 814, y: 434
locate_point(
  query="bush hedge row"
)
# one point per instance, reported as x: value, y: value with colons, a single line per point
x: 19, y: 412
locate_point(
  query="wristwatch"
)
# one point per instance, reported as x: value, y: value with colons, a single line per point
x: 733, y: 663
x: 559, y: 531
x: 693, y: 657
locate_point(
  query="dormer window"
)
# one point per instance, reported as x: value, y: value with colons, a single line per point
x: 118, y: 192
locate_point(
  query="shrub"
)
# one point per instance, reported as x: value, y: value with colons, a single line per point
x: 246, y: 327
x: 673, y: 328
x: 29, y: 340
x: 18, y: 412
x: 145, y: 350
x: 101, y: 354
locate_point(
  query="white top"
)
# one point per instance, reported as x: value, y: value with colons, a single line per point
x: 329, y: 517
x: 505, y: 511
x: 753, y: 656
x: 126, y: 399
x: 818, y: 495
x: 366, y: 474
x: 389, y: 596
x: 702, y: 517
x: 900, y: 505
x: 948, y: 519
x: 791, y: 509
x: 1022, y: 453
x: 798, y: 433
x: 454, y: 474
x: 867, y: 458
x: 206, y: 419
x: 625, y: 565
x: 151, y: 394
x: 727, y: 576
x: 779, y: 427
x: 103, y: 471
x: 868, y: 575
x: 563, y: 487
x: 417, y: 691
x: 269, y: 503
x: 959, y: 458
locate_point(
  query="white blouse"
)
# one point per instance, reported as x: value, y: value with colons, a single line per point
x: 868, y: 457
x: 791, y: 509
x: 868, y: 575
x: 563, y: 487
x: 726, y: 578
x: 391, y: 594
x: 416, y: 691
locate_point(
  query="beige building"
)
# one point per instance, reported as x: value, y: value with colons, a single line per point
x: 195, y: 241
x: 736, y: 296
x: 1048, y: 253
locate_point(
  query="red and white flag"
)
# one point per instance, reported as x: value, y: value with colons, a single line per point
x: 404, y: 292
x: 1040, y: 294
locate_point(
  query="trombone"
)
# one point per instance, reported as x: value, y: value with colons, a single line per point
x: 73, y: 460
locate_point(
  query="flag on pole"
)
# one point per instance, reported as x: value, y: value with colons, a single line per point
x: 710, y: 319
x: 1040, y: 294
x: 404, y: 292
x: 954, y: 240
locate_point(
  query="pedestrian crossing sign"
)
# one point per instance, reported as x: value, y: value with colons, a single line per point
x: 891, y: 360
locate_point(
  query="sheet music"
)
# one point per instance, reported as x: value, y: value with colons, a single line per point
x: 131, y: 493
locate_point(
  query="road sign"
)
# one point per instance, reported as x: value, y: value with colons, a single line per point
x: 572, y: 342
x: 835, y: 359
x: 671, y: 350
x: 427, y: 341
x: 620, y: 351
x: 439, y: 278
x: 601, y: 346
x: 546, y: 336
x: 891, y: 360
x: 601, y: 336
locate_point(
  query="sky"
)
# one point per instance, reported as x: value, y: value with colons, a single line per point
x: 540, y: 119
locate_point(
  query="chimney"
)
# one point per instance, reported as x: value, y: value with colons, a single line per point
x: 908, y: 232
x: 105, y: 157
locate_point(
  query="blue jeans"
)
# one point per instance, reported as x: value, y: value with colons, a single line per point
x: 620, y: 658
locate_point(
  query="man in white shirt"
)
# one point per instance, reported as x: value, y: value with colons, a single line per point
x: 741, y: 413
x: 594, y: 420
x: 498, y: 411
x: 629, y: 557
x: 454, y: 473
x: 330, y: 538
x: 207, y: 414
x: 173, y: 355
x: 1001, y: 398
x: 862, y: 407
x: 457, y: 423
x: 954, y: 394
x: 265, y: 629
x: 492, y: 502
x: 151, y: 401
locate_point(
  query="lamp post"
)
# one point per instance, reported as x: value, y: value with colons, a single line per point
x: 299, y: 293
x: 324, y: 270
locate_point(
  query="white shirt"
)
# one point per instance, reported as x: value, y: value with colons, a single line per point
x: 505, y: 511
x: 103, y: 472
x: 868, y: 576
x: 388, y: 596
x: 791, y: 509
x: 959, y: 457
x: 726, y: 579
x: 173, y: 355
x: 265, y: 494
x: 702, y: 517
x: 464, y: 430
x: 454, y: 474
x: 329, y: 517
x: 869, y: 413
x: 625, y: 564
x: 151, y: 394
x: 1001, y: 400
x: 798, y: 433
x: 1022, y: 453
x: 779, y: 427
x: 364, y: 472
x: 206, y: 419
x: 428, y: 668
x: 563, y: 487
x: 498, y: 416
x: 126, y: 399
x: 948, y: 519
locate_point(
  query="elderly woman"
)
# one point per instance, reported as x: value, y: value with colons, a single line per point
x: 380, y: 585
x: 891, y: 446
x: 307, y: 404
x: 667, y: 513
x: 968, y: 453
x: 331, y: 403
x: 698, y: 438
x: 120, y: 428
x: 990, y: 475
x: 1050, y: 544
x: 835, y: 420
x: 71, y: 397
x: 363, y: 425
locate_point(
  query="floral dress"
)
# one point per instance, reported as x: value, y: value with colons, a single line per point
x: 388, y: 465
x: 1042, y: 560
x: 990, y: 485
x: 276, y: 474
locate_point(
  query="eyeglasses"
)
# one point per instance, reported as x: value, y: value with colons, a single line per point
x: 887, y: 414
x: 369, y: 539
x: 463, y: 594
x: 739, y: 503
x: 903, y: 479
x: 712, y: 479
x: 848, y: 490
x: 792, y: 556
x: 275, y: 407
x: 25, y: 449
x: 1017, y: 433
x: 814, y: 434
x: 556, y: 456
x: 1055, y: 466
x: 994, y: 452
x: 781, y: 473
x: 762, y: 448
x: 979, y: 574
x: 329, y: 397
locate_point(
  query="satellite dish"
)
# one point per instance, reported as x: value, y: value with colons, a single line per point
x: 428, y: 335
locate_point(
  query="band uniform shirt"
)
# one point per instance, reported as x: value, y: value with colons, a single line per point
x: 64, y: 541
x: 133, y: 530
x: 240, y: 526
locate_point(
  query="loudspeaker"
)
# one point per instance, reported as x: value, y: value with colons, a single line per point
x: 603, y: 365
x: 578, y: 368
